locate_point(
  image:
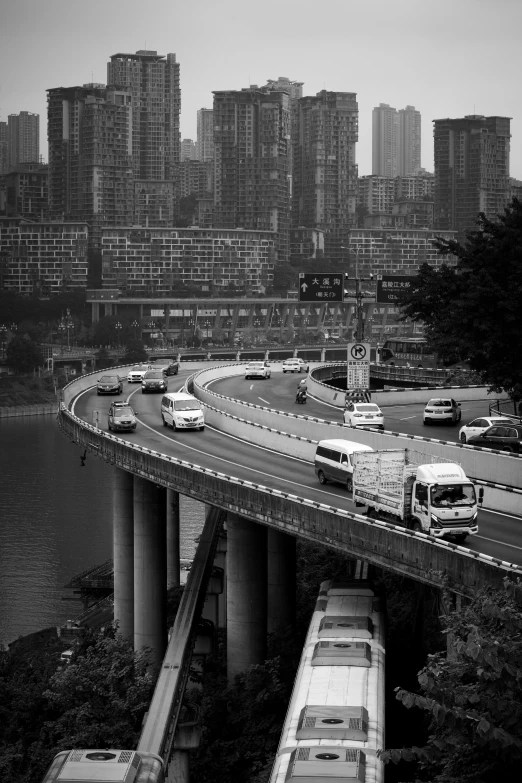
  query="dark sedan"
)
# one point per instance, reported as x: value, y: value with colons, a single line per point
x: 109, y: 384
x: 505, y: 437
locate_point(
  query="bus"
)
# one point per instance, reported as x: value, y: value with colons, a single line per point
x: 409, y: 350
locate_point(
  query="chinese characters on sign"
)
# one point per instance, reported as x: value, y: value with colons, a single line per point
x: 358, y: 366
x: 358, y: 375
x: 390, y: 288
x: 325, y: 287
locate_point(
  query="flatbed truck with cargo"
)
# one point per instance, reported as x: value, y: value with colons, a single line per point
x: 422, y: 492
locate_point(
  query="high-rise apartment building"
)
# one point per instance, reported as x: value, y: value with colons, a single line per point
x: 295, y: 92
x: 396, y: 141
x: 205, y: 137
x: 153, y: 83
x: 385, y: 138
x: 325, y: 172
x: 471, y: 170
x: 27, y: 192
x: 90, y: 155
x: 23, y: 138
x: 251, y: 162
x: 376, y: 194
x: 188, y: 150
x: 409, y: 141
x: 4, y: 156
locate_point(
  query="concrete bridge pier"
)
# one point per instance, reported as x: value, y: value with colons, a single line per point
x: 173, y: 579
x: 246, y: 594
x: 281, y: 579
x: 123, y: 551
x: 150, y: 568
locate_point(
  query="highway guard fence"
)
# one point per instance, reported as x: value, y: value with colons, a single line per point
x: 491, y: 467
x: 439, y: 563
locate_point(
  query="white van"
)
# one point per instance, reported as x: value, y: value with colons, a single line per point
x: 182, y: 411
x: 334, y: 460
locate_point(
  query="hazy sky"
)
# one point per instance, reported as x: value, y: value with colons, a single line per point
x: 448, y: 58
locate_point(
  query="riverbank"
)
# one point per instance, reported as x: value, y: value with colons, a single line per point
x: 27, y: 396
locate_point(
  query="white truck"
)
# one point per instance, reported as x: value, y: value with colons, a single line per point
x: 422, y: 492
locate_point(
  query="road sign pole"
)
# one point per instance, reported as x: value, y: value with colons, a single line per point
x: 359, y: 332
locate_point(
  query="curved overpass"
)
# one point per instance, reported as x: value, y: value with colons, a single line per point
x: 271, y: 483
x: 286, y: 499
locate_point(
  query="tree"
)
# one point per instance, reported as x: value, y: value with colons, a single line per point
x: 135, y: 352
x: 473, y: 313
x: 473, y: 695
x: 285, y: 278
x: 103, y: 359
x: 23, y: 354
x: 100, y: 698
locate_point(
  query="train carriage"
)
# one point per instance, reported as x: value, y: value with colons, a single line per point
x: 335, y: 720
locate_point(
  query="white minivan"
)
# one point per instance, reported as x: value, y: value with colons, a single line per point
x: 182, y: 411
x: 334, y: 460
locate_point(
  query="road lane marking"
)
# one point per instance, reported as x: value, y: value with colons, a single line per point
x: 405, y: 418
x: 262, y: 400
x: 502, y: 543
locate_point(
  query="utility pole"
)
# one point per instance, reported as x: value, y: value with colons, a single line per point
x: 359, y: 296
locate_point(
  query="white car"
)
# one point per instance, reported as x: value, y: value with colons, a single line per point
x: 363, y: 414
x: 258, y: 370
x: 295, y: 365
x: 442, y: 409
x: 477, y: 426
x: 136, y: 374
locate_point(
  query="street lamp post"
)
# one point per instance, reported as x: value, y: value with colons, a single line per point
x: 207, y: 326
x: 118, y: 326
x: 3, y: 333
x: 152, y: 325
x: 135, y: 325
x: 65, y: 325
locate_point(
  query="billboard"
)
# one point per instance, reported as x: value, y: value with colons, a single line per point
x: 391, y: 287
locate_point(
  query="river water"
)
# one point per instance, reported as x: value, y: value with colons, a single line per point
x: 55, y: 522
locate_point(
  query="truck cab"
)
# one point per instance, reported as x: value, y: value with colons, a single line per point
x: 444, y: 501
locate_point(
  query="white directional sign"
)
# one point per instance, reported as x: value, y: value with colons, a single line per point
x: 358, y: 366
x: 358, y: 375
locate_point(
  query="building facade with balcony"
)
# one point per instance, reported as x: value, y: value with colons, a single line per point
x: 159, y: 262
x: 42, y: 259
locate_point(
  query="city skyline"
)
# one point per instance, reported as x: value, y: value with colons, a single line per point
x: 405, y: 54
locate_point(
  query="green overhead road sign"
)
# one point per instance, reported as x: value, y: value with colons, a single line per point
x: 321, y: 287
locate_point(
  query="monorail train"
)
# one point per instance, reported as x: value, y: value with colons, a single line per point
x: 334, y: 725
x: 93, y: 766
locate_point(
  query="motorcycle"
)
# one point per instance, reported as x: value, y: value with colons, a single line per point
x: 300, y: 397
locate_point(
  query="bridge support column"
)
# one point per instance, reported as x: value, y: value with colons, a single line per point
x: 150, y: 568
x: 281, y: 579
x: 179, y: 767
x: 220, y: 560
x: 123, y: 551
x: 246, y: 594
x: 173, y: 579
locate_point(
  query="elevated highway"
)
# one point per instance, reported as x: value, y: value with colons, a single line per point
x: 255, y: 467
